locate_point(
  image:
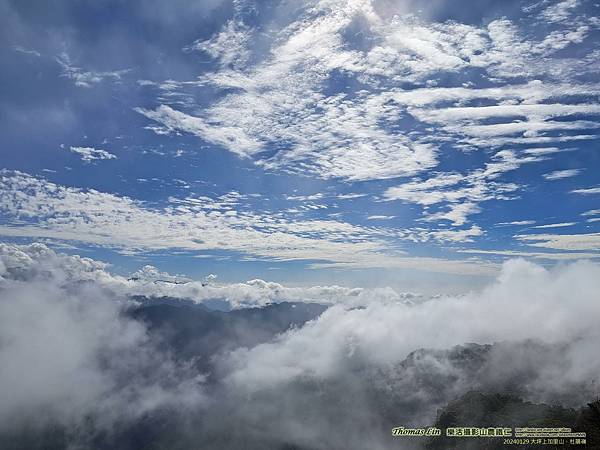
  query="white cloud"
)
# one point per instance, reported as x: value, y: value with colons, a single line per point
x: 562, y: 256
x: 542, y: 151
x: 41, y: 209
x: 350, y: 196
x: 533, y: 93
x: 526, y: 140
x: 26, y: 51
x: 288, y: 99
x: 105, y: 368
x: 462, y: 122
x: 89, y: 154
x: 453, y: 115
x: 556, y: 225
x: 589, y: 242
x: 342, y: 340
x: 229, y: 46
x: 517, y: 222
x: 560, y: 174
x: 591, y: 212
x: 84, y: 78
x: 173, y: 120
x: 458, y: 235
x: 305, y: 198
x: 70, y: 353
x: 560, y: 11
x: 587, y: 191
x: 460, y: 193
x: 380, y: 217
x: 29, y: 261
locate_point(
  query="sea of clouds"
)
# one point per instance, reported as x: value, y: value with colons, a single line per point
x: 69, y: 352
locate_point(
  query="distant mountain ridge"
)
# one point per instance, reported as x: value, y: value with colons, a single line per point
x: 193, y: 331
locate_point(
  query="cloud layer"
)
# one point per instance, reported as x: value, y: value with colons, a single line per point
x: 69, y: 353
x: 105, y: 366
x: 38, y: 208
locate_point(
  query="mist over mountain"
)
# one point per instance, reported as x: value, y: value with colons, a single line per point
x: 193, y: 332
x: 82, y: 366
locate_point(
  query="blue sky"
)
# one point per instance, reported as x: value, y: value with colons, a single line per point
x: 406, y: 143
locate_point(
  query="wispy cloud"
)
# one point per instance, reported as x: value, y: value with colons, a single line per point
x: 305, y: 198
x: 587, y: 191
x: 591, y: 212
x: 350, y: 196
x: 556, y: 225
x: 560, y: 174
x: 89, y: 154
x: 460, y: 193
x: 590, y: 241
x: 45, y: 210
x: 550, y: 256
x: 26, y: 51
x: 542, y: 151
x: 380, y: 217
x: 86, y: 78
x: 517, y: 222
x: 285, y: 100
x: 560, y: 11
x: 433, y: 48
x: 230, y: 46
